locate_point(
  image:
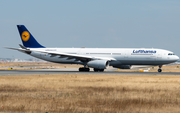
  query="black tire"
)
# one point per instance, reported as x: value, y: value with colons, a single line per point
x: 159, y: 70
x: 101, y: 70
x: 81, y: 69
x: 96, y: 70
x: 86, y: 69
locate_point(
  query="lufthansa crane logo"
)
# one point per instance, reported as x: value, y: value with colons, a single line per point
x: 25, y: 36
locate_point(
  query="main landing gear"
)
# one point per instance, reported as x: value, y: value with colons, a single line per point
x: 100, y: 70
x: 84, y: 69
x: 160, y: 70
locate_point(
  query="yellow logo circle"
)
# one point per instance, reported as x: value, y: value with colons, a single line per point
x: 25, y: 36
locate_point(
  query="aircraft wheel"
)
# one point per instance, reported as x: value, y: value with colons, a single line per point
x: 82, y: 69
x: 86, y: 69
x: 101, y: 70
x: 96, y: 70
x: 159, y: 70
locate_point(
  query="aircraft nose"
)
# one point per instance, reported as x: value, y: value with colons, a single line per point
x: 176, y: 58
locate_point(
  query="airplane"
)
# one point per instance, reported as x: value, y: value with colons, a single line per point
x: 97, y: 58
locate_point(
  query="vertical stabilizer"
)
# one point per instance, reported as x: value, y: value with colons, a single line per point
x: 27, y: 39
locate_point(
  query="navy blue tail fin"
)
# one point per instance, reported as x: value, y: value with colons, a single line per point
x: 27, y: 39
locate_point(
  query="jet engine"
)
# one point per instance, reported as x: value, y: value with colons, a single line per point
x: 123, y: 66
x: 98, y: 64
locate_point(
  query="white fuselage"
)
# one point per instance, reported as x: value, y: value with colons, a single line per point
x: 121, y: 56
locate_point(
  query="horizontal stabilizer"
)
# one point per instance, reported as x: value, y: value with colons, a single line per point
x: 22, y: 50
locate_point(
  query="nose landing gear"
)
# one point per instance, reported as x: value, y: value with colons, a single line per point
x: 160, y: 70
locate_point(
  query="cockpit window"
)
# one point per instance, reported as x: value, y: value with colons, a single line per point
x: 171, y: 54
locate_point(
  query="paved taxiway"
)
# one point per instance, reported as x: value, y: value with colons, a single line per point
x: 56, y: 71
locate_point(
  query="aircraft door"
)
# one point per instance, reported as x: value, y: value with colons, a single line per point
x: 125, y: 54
x: 159, y: 56
x: 153, y: 57
x: 81, y: 52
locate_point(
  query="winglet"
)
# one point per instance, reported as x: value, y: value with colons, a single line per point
x: 27, y: 39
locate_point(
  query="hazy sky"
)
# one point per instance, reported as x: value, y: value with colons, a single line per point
x: 93, y: 23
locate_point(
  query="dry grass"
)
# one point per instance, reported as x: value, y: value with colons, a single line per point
x: 90, y: 93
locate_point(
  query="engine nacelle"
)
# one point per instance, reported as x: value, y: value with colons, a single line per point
x: 123, y: 66
x: 99, y: 64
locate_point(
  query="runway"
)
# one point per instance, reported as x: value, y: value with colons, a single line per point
x: 57, y: 71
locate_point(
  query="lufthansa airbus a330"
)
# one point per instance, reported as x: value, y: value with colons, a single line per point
x: 97, y: 58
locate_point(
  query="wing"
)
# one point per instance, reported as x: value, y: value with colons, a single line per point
x: 74, y: 56
x: 83, y: 58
